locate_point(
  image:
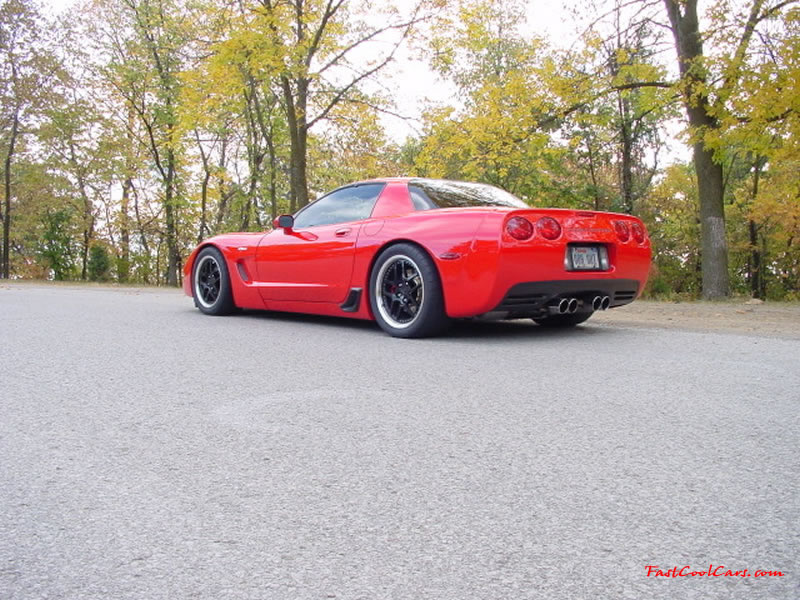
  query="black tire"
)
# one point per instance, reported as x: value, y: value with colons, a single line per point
x: 564, y: 321
x: 405, y: 293
x: 211, y: 283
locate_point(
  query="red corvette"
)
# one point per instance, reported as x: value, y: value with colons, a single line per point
x: 412, y: 254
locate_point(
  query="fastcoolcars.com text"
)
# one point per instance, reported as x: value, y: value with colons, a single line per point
x: 712, y: 571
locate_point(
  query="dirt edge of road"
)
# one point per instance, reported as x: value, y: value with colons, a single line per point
x: 742, y: 316
x: 770, y: 319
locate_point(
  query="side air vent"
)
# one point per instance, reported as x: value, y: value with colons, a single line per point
x: 352, y: 301
x: 242, y: 272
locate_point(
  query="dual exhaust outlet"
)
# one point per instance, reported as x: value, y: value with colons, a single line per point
x: 570, y: 305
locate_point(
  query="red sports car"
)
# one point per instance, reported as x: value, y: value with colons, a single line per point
x: 414, y: 253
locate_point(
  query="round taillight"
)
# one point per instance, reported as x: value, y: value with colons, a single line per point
x: 637, y: 231
x: 623, y: 233
x: 519, y: 228
x: 548, y: 228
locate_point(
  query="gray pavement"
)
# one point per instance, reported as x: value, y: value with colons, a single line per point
x: 148, y: 451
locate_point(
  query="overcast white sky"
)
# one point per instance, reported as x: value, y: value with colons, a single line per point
x: 413, y: 81
x: 414, y: 84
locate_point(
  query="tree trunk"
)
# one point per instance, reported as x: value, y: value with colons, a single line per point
x: 710, y: 182
x: 223, y: 192
x: 298, y: 136
x: 755, y: 260
x: 273, y: 168
x: 302, y: 162
x: 88, y: 210
x: 626, y: 152
x: 124, y: 263
x: 201, y: 234
x: 158, y: 259
x: 5, y: 270
x: 593, y: 174
x: 203, y: 206
x: 173, y: 256
x: 142, y: 238
x: 757, y: 287
x: 170, y: 210
x: 713, y: 243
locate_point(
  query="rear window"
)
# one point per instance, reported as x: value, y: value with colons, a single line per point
x: 437, y: 193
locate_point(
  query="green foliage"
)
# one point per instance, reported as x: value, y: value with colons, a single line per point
x: 670, y: 213
x: 99, y: 263
x: 584, y: 127
x: 163, y: 122
x: 56, y: 247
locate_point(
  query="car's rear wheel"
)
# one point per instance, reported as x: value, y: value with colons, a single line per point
x: 211, y: 284
x: 406, y: 293
x: 563, y: 321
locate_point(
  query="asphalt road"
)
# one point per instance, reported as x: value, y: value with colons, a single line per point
x: 148, y: 451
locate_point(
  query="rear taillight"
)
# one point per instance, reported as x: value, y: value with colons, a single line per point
x: 623, y: 233
x: 519, y: 228
x: 548, y: 228
x: 637, y: 231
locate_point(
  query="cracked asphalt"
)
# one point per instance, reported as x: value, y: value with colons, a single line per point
x: 148, y: 451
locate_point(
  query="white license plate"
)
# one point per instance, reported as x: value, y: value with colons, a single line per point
x: 584, y: 258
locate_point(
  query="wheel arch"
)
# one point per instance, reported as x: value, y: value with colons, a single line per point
x: 189, y: 267
x: 396, y: 242
x: 189, y: 270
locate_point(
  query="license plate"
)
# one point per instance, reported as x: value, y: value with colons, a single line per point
x: 584, y: 258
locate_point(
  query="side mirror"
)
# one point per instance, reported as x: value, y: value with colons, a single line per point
x: 284, y: 222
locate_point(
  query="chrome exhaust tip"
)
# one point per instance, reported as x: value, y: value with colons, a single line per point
x: 563, y: 306
x: 597, y: 302
x: 605, y: 303
x: 573, y: 305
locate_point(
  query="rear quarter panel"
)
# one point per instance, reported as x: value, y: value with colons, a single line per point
x: 463, y: 243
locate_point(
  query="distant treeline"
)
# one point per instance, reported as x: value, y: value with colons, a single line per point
x: 132, y: 129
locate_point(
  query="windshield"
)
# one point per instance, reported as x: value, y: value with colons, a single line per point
x: 440, y: 193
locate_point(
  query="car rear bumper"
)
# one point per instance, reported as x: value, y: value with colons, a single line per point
x: 532, y: 298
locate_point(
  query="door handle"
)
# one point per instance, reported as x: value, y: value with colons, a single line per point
x: 342, y: 232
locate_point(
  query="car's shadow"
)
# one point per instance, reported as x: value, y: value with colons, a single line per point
x: 461, y: 329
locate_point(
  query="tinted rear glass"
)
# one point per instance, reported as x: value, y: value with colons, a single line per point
x: 439, y: 193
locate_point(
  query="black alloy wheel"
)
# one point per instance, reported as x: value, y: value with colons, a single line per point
x: 406, y: 293
x: 211, y: 287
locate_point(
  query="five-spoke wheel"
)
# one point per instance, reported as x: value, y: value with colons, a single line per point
x: 210, y: 283
x: 406, y: 294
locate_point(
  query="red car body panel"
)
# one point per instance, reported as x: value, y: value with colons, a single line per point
x: 313, y: 270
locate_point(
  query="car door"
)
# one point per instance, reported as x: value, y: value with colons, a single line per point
x: 313, y: 261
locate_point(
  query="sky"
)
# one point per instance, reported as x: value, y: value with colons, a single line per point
x: 414, y: 85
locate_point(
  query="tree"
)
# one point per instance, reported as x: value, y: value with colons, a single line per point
x: 670, y: 212
x: 144, y: 42
x: 705, y: 99
x: 503, y: 133
x: 565, y: 127
x: 99, y: 263
x: 760, y: 143
x: 25, y: 70
x: 695, y: 90
x: 231, y: 102
x: 310, y: 43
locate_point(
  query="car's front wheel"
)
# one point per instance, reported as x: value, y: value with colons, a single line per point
x: 211, y: 284
x: 406, y: 293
